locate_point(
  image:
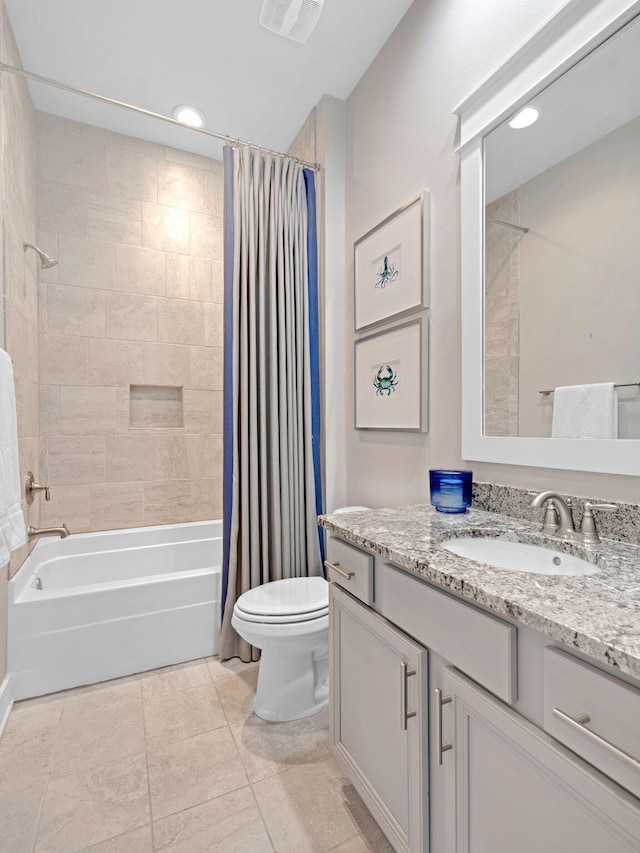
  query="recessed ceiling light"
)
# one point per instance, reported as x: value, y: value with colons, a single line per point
x: 189, y: 116
x: 524, y: 118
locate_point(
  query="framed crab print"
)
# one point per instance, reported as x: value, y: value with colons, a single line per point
x: 391, y: 370
x: 390, y: 263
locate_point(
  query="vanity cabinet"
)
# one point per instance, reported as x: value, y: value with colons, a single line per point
x: 379, y: 720
x: 509, y: 786
x: 491, y: 769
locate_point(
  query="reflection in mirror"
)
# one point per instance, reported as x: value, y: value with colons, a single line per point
x: 562, y: 246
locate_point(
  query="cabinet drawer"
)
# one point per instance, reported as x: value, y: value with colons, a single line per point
x: 610, y: 737
x: 481, y: 645
x: 350, y: 568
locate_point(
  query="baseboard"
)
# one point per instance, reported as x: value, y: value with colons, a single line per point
x: 6, y: 702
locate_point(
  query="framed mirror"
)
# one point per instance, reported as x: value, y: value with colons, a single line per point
x: 550, y: 252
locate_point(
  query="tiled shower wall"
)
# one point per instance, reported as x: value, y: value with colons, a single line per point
x: 135, y: 300
x: 20, y: 290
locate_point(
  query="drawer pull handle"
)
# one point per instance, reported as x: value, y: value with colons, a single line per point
x: 405, y: 672
x: 335, y: 567
x: 578, y: 723
x: 440, y: 747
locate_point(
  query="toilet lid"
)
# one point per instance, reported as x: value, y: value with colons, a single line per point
x: 289, y: 619
x: 286, y: 598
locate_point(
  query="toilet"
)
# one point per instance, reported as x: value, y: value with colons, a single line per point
x: 289, y: 621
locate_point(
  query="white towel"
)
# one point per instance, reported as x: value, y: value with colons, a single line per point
x: 12, y: 531
x: 585, y: 411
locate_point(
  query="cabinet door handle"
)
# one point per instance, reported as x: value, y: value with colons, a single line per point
x: 578, y: 724
x: 440, y: 747
x: 405, y: 714
x: 335, y: 567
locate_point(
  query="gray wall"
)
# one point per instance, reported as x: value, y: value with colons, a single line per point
x: 401, y: 135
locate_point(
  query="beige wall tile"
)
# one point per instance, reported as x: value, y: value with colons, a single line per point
x: 180, y: 322
x: 206, y: 368
x: 114, y: 219
x: 69, y: 505
x: 87, y: 263
x: 140, y: 271
x: 177, y: 269
x: 21, y: 343
x: 165, y: 364
x: 130, y: 173
x: 174, y: 155
x: 213, y: 325
x: 77, y: 311
x: 63, y: 360
x: 180, y: 186
x: 206, y: 236
x: 27, y: 404
x: 130, y: 458
x: 62, y: 208
x: 73, y: 159
x: 217, y: 281
x: 203, y: 411
x: 165, y: 228
x: 179, y: 457
x: 132, y: 317
x: 86, y: 410
x: 213, y: 456
x: 174, y: 501
x: 114, y: 362
x: 49, y: 410
x: 200, y: 279
x: 115, y: 505
x: 214, y: 194
x: 75, y: 459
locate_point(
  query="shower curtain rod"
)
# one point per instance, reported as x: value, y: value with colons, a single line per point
x: 225, y: 137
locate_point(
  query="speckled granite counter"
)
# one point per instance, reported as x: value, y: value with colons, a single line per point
x: 597, y: 614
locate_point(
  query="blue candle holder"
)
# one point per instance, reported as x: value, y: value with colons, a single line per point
x: 450, y: 490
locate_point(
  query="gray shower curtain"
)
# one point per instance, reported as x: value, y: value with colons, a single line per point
x: 271, y: 419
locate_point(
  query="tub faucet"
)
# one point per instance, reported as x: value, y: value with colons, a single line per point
x: 62, y: 531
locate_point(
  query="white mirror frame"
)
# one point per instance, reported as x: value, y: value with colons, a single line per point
x: 559, y: 44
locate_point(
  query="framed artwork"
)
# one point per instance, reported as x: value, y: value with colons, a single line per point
x: 390, y: 265
x: 391, y: 370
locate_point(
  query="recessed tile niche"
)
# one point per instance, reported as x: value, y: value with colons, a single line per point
x: 155, y: 407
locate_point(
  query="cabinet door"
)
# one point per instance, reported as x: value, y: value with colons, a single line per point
x: 379, y: 718
x: 509, y: 786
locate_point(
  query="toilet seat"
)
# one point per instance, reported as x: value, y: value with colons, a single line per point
x: 287, y: 600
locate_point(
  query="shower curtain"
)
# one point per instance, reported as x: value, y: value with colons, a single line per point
x: 272, y: 488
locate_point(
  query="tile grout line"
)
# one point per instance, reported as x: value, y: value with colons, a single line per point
x: 146, y: 763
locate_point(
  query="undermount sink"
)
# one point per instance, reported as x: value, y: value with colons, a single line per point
x: 519, y: 557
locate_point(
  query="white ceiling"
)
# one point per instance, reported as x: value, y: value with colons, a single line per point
x: 213, y: 54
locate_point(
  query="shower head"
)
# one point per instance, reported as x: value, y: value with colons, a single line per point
x: 46, y: 261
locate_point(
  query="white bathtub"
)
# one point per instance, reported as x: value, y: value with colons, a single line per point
x: 112, y: 604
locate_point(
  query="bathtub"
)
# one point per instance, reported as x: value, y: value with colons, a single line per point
x: 97, y: 606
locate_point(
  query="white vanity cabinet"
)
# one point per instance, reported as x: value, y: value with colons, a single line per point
x: 379, y: 720
x: 474, y: 775
x: 510, y: 787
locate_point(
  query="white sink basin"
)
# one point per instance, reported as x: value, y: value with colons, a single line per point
x: 518, y: 557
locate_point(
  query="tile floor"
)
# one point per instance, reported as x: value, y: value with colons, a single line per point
x: 173, y: 760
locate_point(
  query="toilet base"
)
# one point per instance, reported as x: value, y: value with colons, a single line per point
x: 292, y: 686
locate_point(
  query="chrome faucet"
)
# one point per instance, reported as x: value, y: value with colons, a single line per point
x: 62, y: 531
x: 558, y: 520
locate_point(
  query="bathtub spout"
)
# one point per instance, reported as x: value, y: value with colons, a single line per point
x: 62, y: 531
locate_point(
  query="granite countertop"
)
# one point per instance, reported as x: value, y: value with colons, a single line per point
x: 597, y: 614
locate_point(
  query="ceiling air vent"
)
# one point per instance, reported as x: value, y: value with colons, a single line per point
x: 293, y: 19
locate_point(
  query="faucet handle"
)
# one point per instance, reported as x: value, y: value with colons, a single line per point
x: 588, y: 525
x: 31, y: 488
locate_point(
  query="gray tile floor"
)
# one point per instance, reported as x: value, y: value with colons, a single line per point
x: 173, y: 760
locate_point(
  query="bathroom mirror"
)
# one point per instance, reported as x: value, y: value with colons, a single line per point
x: 551, y: 257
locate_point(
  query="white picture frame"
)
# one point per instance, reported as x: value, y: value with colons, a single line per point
x: 391, y: 370
x: 390, y: 269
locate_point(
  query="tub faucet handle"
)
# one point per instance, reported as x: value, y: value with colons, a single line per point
x: 31, y: 488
